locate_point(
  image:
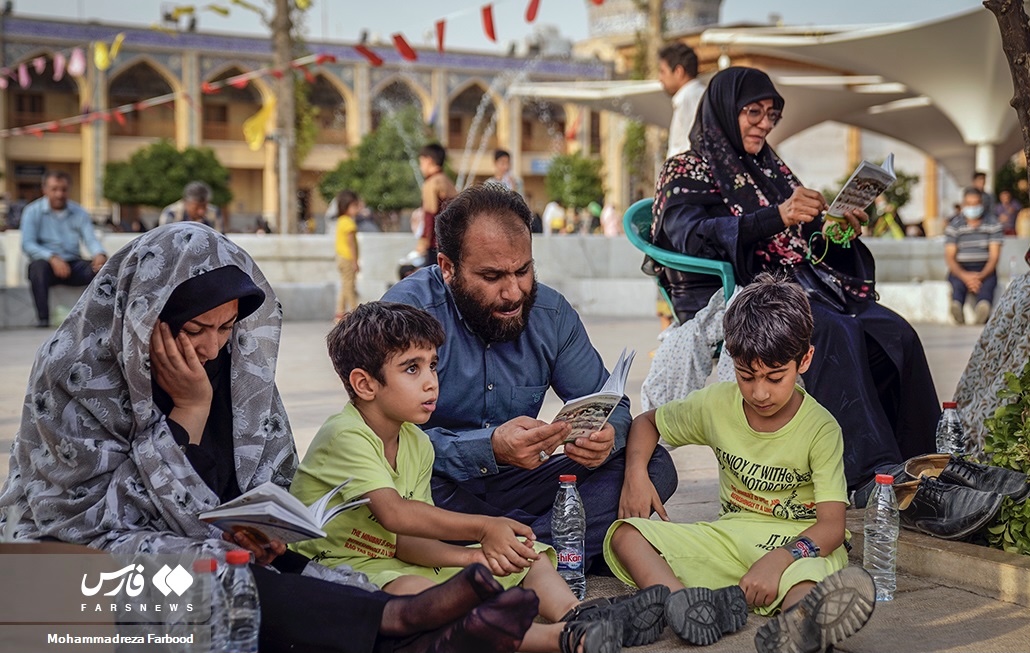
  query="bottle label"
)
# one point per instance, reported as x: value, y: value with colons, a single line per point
x: 570, y: 559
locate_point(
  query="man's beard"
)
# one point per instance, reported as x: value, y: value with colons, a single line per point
x: 481, y: 318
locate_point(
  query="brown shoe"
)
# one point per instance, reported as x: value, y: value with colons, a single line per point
x: 950, y: 512
x: 958, y: 471
x: 982, y: 310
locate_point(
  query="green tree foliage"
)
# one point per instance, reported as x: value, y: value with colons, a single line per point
x: 382, y: 169
x: 305, y: 128
x: 1006, y: 445
x: 574, y: 180
x: 1012, y: 178
x: 156, y: 175
x: 899, y: 193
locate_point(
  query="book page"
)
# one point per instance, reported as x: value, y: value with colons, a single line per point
x: 588, y: 414
x: 868, y: 181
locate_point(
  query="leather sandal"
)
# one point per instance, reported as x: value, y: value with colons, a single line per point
x: 596, y: 637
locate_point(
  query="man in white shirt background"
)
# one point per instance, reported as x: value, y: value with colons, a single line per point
x: 677, y: 73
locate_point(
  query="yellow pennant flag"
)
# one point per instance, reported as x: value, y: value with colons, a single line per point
x: 247, y: 5
x: 182, y: 10
x: 256, y: 126
x: 116, y: 46
x: 303, y: 4
x: 102, y: 56
x: 218, y: 9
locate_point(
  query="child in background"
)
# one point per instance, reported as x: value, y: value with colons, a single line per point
x: 779, y: 541
x: 385, y: 354
x: 349, y: 206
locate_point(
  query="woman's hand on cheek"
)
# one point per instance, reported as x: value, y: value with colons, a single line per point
x: 177, y: 370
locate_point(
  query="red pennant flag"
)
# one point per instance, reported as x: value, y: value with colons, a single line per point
x: 308, y: 77
x: 35, y: 131
x: 573, y: 130
x: 406, y: 51
x: 372, y: 57
x: 53, y: 126
x: 441, y: 25
x: 488, y: 22
x: 119, y: 117
x: 534, y: 6
x: 324, y: 58
x: 598, y: 2
x: 207, y: 89
x: 106, y: 116
x: 278, y: 74
x: 239, y: 82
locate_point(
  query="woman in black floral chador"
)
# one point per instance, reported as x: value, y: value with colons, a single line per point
x: 731, y: 198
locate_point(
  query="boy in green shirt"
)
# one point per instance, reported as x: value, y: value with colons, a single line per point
x: 780, y: 538
x: 385, y: 354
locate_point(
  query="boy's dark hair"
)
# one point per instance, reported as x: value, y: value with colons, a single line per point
x: 768, y: 322
x: 343, y: 201
x: 679, y: 55
x: 500, y: 154
x: 434, y: 152
x: 367, y: 336
x: 482, y: 200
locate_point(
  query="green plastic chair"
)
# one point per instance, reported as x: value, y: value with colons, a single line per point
x: 637, y: 225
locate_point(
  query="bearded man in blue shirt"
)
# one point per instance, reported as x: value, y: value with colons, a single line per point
x: 52, y: 229
x: 509, y: 339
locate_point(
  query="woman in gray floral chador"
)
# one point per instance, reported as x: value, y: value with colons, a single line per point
x: 156, y: 400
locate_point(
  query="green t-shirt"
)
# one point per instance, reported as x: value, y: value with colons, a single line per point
x: 783, y: 473
x: 345, y: 447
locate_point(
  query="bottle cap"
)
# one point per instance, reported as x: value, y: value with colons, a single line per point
x: 203, y: 565
x: 238, y: 557
x: 950, y: 404
x: 567, y: 478
x: 886, y: 479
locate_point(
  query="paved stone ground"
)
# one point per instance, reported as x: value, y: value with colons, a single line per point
x: 925, y: 617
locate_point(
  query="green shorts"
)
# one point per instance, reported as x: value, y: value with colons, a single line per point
x: 717, y: 554
x: 382, y: 571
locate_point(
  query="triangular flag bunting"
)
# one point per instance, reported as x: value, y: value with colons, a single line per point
x: 208, y: 89
x: 239, y: 82
x: 39, y: 65
x: 405, y: 50
x: 303, y: 5
x: 531, y: 10
x: 218, y: 9
x: 119, y: 117
x: 59, y: 63
x: 116, y: 46
x: 101, y: 57
x: 372, y: 57
x: 256, y: 127
x: 488, y: 22
x: 324, y: 59
x: 441, y: 25
x: 77, y: 64
x: 23, y: 76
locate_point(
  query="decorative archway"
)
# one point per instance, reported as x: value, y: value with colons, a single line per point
x: 396, y: 93
x: 223, y: 112
x: 134, y: 83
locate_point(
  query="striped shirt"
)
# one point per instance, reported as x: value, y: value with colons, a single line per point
x: 973, y: 242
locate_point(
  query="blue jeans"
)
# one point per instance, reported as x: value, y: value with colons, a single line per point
x: 987, y: 287
x: 527, y: 495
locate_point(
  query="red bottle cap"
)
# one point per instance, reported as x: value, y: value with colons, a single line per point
x: 238, y: 557
x: 205, y: 565
x: 886, y: 479
x: 567, y: 478
x: 950, y: 404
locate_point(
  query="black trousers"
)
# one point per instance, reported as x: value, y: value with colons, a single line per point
x: 42, y: 277
x: 299, y: 613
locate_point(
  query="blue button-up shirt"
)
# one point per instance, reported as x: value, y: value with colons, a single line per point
x: 45, y: 232
x: 485, y: 384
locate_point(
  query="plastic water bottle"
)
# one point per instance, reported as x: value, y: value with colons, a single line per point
x: 244, y: 614
x: 880, y: 553
x: 950, y: 437
x: 568, y: 530
x: 205, y: 579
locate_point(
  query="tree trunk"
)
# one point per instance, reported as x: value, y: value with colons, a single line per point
x: 282, y: 41
x: 1015, y: 41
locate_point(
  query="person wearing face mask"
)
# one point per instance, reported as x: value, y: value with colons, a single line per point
x: 972, y: 247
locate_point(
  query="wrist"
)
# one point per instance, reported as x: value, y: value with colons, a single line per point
x: 802, y: 547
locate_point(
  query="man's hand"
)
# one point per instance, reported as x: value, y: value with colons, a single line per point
x: 264, y: 552
x: 761, y: 583
x: 60, y: 267
x: 593, y: 450
x: 177, y: 369
x: 520, y: 441
x: 803, y: 205
x: 98, y: 262
x: 502, y: 547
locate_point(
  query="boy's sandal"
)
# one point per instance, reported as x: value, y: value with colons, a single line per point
x: 596, y: 637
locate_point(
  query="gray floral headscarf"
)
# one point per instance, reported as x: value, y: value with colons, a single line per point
x: 94, y: 461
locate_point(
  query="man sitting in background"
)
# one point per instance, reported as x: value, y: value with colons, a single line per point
x: 193, y: 207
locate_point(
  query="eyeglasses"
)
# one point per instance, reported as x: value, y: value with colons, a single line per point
x: 755, y: 114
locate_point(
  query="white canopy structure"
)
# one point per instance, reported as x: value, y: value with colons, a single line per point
x: 955, y: 65
x: 942, y: 86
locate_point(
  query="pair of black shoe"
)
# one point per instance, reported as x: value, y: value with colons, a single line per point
x: 953, y: 498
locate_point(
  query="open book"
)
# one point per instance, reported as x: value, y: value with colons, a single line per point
x: 588, y: 414
x: 868, y: 181
x: 269, y: 512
